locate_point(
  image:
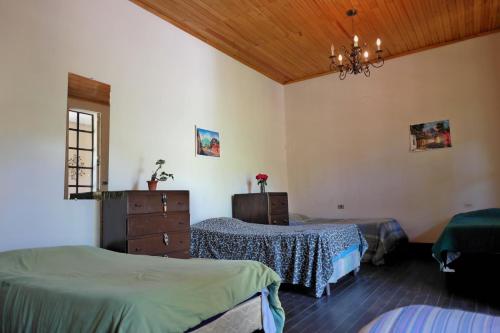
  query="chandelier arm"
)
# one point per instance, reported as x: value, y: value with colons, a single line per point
x: 366, y: 71
x: 379, y: 63
x: 348, y: 68
x: 343, y: 49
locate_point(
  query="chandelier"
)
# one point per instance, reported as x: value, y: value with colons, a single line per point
x: 357, y: 59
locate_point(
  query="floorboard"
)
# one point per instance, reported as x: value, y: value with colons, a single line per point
x: 355, y: 301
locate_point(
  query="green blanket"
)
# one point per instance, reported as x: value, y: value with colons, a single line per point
x: 472, y: 232
x: 87, y: 289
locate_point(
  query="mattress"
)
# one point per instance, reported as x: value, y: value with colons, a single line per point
x: 252, y: 315
x: 473, y: 232
x: 246, y: 317
x: 384, y: 235
x: 430, y: 319
x: 298, y: 254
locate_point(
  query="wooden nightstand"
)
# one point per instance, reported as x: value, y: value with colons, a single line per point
x: 263, y: 208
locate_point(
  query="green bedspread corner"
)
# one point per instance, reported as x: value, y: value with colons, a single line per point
x: 86, y: 289
x: 471, y: 232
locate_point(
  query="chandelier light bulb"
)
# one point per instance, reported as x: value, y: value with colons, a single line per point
x: 340, y: 59
x: 379, y: 42
x: 366, y: 55
x: 356, y: 39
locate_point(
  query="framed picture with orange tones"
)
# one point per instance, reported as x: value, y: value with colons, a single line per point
x: 433, y: 135
x: 207, y: 142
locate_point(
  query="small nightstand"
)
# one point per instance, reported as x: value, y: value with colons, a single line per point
x: 263, y: 208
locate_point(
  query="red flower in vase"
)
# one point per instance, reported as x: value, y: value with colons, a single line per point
x: 262, y: 178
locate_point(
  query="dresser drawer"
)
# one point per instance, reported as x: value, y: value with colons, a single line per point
x: 279, y: 219
x: 152, y: 201
x: 278, y: 204
x: 160, y: 244
x: 147, y: 224
x: 178, y: 201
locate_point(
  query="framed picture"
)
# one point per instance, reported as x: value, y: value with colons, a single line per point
x: 433, y: 135
x: 207, y: 142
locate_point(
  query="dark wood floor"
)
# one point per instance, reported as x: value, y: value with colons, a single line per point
x: 355, y: 301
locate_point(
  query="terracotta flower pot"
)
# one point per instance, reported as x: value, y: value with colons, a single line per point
x: 152, y: 185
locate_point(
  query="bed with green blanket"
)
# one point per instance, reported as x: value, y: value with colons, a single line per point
x: 476, y: 232
x: 87, y: 289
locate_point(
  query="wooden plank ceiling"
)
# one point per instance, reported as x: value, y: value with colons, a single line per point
x: 289, y: 40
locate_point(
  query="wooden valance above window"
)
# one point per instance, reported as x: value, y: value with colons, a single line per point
x: 87, y: 89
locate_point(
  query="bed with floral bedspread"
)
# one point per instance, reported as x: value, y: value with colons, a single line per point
x: 299, y: 254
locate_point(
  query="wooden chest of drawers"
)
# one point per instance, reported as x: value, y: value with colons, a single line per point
x: 264, y: 208
x: 146, y: 222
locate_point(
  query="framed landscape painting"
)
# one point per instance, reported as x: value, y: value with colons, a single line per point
x: 433, y: 135
x: 207, y: 142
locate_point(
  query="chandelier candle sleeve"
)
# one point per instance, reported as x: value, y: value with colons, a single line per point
x: 356, y: 40
x: 379, y: 42
x: 333, y: 50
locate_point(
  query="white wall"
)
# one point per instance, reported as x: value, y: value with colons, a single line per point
x: 163, y: 81
x: 348, y: 141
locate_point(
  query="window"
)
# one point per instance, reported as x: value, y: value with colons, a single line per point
x: 83, y: 158
x: 87, y: 138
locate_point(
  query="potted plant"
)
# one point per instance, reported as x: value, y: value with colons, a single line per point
x: 262, y: 181
x: 155, y: 177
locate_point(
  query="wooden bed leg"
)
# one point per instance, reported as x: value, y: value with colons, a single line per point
x: 327, y: 288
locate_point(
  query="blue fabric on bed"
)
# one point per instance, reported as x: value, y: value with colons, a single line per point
x: 346, y: 252
x: 299, y: 254
x: 431, y: 319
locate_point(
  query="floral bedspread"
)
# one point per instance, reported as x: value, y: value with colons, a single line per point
x: 299, y: 254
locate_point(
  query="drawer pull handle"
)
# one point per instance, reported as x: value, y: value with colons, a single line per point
x: 137, y: 249
x: 137, y: 205
x: 164, y: 203
x: 165, y: 239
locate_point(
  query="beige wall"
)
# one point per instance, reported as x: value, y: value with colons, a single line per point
x: 163, y: 81
x: 348, y: 141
